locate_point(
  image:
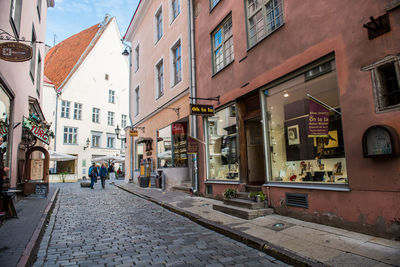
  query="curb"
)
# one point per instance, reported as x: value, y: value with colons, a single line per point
x: 32, y: 246
x: 270, y: 249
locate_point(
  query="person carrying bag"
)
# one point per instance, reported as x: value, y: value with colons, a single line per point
x: 93, y: 173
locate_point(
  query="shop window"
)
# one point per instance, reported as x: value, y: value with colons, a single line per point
x: 222, y: 42
x: 139, y: 154
x: 305, y: 130
x: 386, y: 83
x: 222, y: 144
x: 263, y: 18
x: 172, y: 146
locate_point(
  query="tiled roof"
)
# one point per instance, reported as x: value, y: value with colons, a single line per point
x: 61, y: 59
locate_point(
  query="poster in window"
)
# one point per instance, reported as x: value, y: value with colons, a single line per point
x: 293, y: 135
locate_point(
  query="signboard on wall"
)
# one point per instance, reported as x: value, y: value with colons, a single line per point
x: 15, y: 52
x: 201, y: 110
x: 37, y: 169
x: 133, y: 133
x: 37, y: 130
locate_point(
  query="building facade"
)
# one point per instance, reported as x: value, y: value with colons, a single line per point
x: 309, y: 107
x: 90, y: 76
x: 160, y: 89
x: 21, y: 22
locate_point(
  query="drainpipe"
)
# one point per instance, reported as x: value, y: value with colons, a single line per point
x: 130, y: 107
x: 192, y: 90
x: 55, y: 127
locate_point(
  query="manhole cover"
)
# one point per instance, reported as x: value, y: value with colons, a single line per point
x: 278, y: 226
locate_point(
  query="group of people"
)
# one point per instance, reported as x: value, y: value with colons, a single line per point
x: 102, y: 172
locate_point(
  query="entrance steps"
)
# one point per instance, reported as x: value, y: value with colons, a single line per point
x: 185, y: 187
x: 243, y: 207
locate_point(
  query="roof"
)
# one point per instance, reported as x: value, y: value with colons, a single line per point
x: 133, y: 17
x: 63, y: 60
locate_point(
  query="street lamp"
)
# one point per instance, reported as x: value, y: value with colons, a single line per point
x: 125, y: 52
x: 87, y: 143
x: 117, y: 132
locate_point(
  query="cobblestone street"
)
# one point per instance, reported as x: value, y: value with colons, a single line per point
x: 114, y: 228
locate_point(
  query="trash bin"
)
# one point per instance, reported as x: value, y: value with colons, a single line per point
x: 144, y: 181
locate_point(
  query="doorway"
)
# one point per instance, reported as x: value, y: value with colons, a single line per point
x: 255, y: 151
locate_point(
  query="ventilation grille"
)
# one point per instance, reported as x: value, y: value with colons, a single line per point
x: 297, y: 200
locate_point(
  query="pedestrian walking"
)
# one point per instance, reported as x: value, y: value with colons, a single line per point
x: 111, y: 171
x: 103, y: 175
x: 93, y: 173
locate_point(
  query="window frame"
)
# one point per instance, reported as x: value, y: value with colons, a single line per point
x: 137, y: 57
x: 262, y: 9
x: 32, y: 66
x: 174, y: 13
x: 95, y: 115
x: 224, y: 42
x: 158, y: 20
x: 160, y: 79
x: 71, y: 135
x: 15, y: 16
x: 111, y: 96
x: 65, y: 109
x: 112, y: 138
x: 39, y: 74
x: 176, y: 77
x: 137, y: 101
x: 123, y: 120
x: 96, y: 135
x: 77, y: 111
x: 110, y: 118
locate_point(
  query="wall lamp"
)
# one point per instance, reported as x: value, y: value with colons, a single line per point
x: 117, y: 132
x: 87, y: 143
x: 125, y: 52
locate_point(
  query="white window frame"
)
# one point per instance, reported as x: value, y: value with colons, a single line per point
x: 160, y: 85
x: 158, y: 24
x: 263, y: 21
x: 110, y: 118
x: 123, y: 120
x: 70, y: 135
x: 111, y: 96
x: 137, y: 101
x: 173, y: 76
x: 172, y: 16
x: 225, y: 45
x: 137, y: 57
x: 95, y: 115
x: 111, y: 141
x: 96, y: 139
x: 15, y: 16
x: 65, y: 109
x: 77, y: 111
x: 378, y: 90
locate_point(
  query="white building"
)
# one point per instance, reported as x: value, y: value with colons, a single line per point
x: 91, y: 79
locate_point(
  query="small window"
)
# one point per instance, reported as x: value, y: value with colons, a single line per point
x: 96, y: 115
x: 137, y: 58
x: 96, y: 139
x: 214, y: 3
x: 110, y: 118
x: 176, y: 8
x: 110, y: 142
x: 386, y: 83
x: 65, y: 105
x: 77, y: 111
x: 159, y: 27
x: 177, y: 63
x: 15, y: 15
x: 33, y: 60
x: 70, y: 135
x: 222, y: 40
x: 111, y: 96
x: 123, y: 121
x: 137, y: 98
x: 39, y: 7
x: 38, y: 74
x: 160, y: 79
x: 263, y: 18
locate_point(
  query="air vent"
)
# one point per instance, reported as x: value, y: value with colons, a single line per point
x: 297, y: 200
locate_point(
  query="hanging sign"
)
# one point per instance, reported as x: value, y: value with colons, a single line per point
x: 202, y: 110
x: 15, y: 52
x: 318, y: 121
x: 133, y: 133
x: 37, y: 130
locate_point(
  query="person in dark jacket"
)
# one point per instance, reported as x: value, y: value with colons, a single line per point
x: 111, y: 171
x: 93, y: 173
x: 103, y: 175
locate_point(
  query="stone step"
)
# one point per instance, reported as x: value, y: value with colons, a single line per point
x: 253, y: 188
x: 243, y: 213
x: 244, y: 203
x: 185, y: 186
x: 243, y: 195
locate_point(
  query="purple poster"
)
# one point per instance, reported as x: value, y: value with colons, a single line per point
x: 318, y: 121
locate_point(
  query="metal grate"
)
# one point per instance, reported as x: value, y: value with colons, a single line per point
x: 297, y: 200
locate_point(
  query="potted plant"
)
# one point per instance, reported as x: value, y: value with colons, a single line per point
x: 230, y: 193
x: 257, y: 196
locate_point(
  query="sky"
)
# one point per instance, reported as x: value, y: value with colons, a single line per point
x: 69, y: 17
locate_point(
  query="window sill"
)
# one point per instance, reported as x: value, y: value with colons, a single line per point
x: 226, y: 66
x: 175, y: 84
x: 327, y: 187
x: 265, y: 37
x: 389, y: 109
x: 221, y: 182
x: 213, y: 7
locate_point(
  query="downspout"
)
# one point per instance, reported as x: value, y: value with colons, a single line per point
x: 55, y: 127
x: 192, y: 90
x: 130, y: 108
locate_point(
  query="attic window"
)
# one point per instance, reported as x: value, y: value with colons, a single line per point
x: 106, y: 76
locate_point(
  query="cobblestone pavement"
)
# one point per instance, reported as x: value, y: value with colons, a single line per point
x: 114, y: 228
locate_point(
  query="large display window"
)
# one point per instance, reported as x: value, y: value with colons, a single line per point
x: 4, y: 125
x: 305, y: 128
x: 172, y: 146
x: 222, y: 145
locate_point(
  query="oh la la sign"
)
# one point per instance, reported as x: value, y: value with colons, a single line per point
x: 15, y: 52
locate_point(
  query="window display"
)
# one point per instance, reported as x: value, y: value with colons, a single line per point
x: 222, y: 145
x: 305, y: 130
x: 172, y: 146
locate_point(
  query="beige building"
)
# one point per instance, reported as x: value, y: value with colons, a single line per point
x: 160, y: 89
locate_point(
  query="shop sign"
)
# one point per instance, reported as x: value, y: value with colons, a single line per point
x: 15, y: 52
x: 133, y: 133
x: 3, y: 128
x: 178, y: 128
x: 37, y: 130
x: 318, y: 121
x: 201, y: 110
